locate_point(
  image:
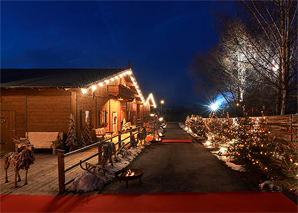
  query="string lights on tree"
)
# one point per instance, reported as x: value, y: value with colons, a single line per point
x: 249, y: 141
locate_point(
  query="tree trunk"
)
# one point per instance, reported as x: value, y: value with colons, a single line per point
x: 285, y: 26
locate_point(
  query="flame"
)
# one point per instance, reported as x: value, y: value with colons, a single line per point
x: 129, y: 173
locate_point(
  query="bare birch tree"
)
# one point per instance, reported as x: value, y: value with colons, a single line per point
x: 273, y: 40
x: 257, y: 54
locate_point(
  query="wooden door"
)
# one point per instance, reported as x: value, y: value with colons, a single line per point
x: 7, y: 130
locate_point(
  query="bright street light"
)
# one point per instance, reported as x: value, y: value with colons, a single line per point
x: 214, y: 107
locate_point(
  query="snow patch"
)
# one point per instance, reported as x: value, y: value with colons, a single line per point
x: 227, y: 160
x: 269, y: 185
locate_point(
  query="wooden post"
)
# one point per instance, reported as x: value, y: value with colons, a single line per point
x: 119, y: 141
x: 138, y: 136
x: 99, y: 152
x: 61, y: 172
x: 130, y: 135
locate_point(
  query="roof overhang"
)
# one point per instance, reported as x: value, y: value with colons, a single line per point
x: 129, y: 77
x: 127, y: 74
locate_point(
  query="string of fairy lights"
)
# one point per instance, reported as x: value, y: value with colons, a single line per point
x: 249, y: 140
x: 106, y: 81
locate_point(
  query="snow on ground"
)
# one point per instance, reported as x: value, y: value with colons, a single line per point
x: 90, y: 182
x: 182, y: 126
x: 227, y: 160
x: 269, y: 185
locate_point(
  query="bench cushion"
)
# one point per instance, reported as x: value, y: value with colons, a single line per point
x: 100, y: 131
x: 42, y: 139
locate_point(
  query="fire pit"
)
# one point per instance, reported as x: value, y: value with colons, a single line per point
x: 129, y: 174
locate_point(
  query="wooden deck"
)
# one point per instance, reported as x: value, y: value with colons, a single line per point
x: 43, y: 174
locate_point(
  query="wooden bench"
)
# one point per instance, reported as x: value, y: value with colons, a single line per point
x: 44, y: 140
x: 101, y: 134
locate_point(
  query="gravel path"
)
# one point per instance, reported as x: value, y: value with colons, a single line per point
x: 179, y: 167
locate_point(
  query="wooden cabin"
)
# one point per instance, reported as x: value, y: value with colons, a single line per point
x: 42, y: 100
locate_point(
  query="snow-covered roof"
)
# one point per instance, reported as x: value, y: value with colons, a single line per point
x: 54, y: 77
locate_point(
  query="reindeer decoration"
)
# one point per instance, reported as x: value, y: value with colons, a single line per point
x: 142, y: 135
x: 21, y: 160
x: 109, y: 150
x: 133, y: 142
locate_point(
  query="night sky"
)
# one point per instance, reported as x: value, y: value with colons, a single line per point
x: 160, y: 38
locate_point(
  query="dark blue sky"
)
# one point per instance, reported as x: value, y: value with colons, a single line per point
x: 159, y: 37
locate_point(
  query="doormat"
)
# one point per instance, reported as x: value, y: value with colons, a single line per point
x: 177, y: 140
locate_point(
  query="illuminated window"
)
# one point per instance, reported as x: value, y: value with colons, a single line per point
x: 102, y: 120
x: 85, y: 118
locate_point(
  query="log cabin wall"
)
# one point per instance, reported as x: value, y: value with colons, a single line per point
x: 18, y: 105
x: 84, y: 103
x: 37, y: 110
x: 48, y: 109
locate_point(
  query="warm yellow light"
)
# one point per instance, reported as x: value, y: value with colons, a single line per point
x: 84, y: 91
x: 160, y: 119
x: 129, y: 72
x: 223, y: 150
x: 237, y: 104
x: 107, y: 81
x: 101, y: 84
x: 93, y: 87
x: 117, y: 77
x: 120, y: 75
x: 162, y: 101
x: 112, y: 79
x: 275, y: 68
x: 153, y: 101
x: 152, y: 114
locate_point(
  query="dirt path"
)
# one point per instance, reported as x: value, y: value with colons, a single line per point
x: 179, y: 167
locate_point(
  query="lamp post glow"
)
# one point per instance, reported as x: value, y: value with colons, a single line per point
x: 214, y: 107
x: 161, y: 102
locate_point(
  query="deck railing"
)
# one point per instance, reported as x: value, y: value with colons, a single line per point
x: 61, y: 155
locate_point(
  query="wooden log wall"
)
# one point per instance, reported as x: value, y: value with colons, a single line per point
x: 284, y: 127
x: 49, y: 114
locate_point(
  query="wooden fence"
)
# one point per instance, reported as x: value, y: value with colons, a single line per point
x: 284, y: 127
x: 61, y: 155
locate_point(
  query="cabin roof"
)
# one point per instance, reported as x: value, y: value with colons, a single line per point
x: 54, y: 77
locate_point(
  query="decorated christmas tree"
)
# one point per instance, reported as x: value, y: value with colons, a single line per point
x: 187, y: 123
x: 200, y: 128
x: 285, y: 169
x: 71, y: 140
